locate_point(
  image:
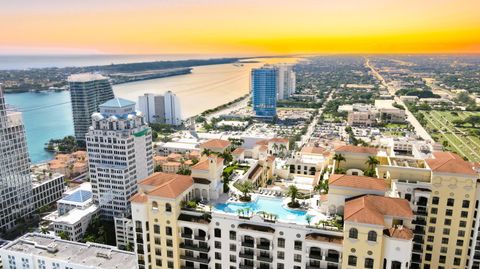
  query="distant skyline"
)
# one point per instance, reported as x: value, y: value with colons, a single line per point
x: 239, y: 27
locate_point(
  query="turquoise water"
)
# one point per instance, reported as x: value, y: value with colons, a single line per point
x: 269, y: 205
x: 46, y: 116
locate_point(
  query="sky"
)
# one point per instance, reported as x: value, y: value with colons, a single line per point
x: 239, y: 27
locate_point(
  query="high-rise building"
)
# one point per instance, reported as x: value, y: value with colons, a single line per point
x: 120, y: 152
x: 286, y: 81
x: 161, y: 108
x: 15, y: 181
x: 87, y: 92
x: 264, y: 87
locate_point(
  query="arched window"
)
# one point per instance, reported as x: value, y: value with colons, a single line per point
x: 168, y: 207
x: 372, y: 236
x: 154, y: 205
x: 353, y: 233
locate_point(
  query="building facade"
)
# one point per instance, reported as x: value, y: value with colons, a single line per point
x: 87, y: 92
x: 164, y: 109
x: 15, y: 181
x: 264, y: 87
x: 286, y: 81
x: 120, y: 152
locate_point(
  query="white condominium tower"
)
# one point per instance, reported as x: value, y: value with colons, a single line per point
x: 87, y: 92
x: 161, y: 108
x: 15, y: 182
x: 120, y: 152
x: 286, y: 81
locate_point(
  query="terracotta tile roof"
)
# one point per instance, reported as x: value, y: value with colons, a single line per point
x: 357, y: 149
x: 201, y: 165
x: 313, y: 150
x: 215, y: 143
x: 447, y: 162
x: 262, y: 142
x: 399, y: 232
x: 139, y: 198
x: 372, y: 209
x: 167, y: 185
x: 325, y: 238
x: 271, y: 158
x: 255, y: 172
x: 358, y: 182
x: 279, y: 140
x: 238, y: 151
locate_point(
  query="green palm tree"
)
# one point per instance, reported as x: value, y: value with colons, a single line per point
x: 293, y: 193
x: 372, y: 162
x: 338, y: 158
x: 44, y: 230
x: 245, y: 188
x: 206, y: 152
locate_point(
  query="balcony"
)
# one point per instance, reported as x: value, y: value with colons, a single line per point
x: 195, y: 247
x: 316, y: 256
x: 245, y: 266
x: 417, y: 248
x: 421, y: 212
x: 332, y: 258
x: 187, y: 236
x: 200, y: 237
x: 265, y: 258
x: 246, y: 255
x: 263, y: 246
x: 313, y: 266
x: 248, y: 244
x: 195, y: 259
x: 419, y: 230
x: 419, y: 222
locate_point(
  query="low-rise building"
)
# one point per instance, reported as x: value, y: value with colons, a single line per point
x: 45, y: 251
x: 47, y: 189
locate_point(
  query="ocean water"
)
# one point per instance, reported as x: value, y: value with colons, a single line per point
x: 8, y: 62
x: 46, y: 116
x: 49, y: 115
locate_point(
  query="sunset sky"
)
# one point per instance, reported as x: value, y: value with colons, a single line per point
x: 239, y: 27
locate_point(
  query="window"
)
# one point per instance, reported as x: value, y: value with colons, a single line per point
x: 297, y: 258
x: 154, y: 205
x: 456, y: 261
x: 281, y: 255
x: 444, y: 240
x: 372, y: 236
x: 168, y: 230
x: 458, y: 252
x: 170, y: 264
x: 408, y: 196
x: 459, y: 243
x: 218, y: 232
x: 233, y: 258
x: 352, y: 260
x: 448, y: 212
x: 430, y: 238
x: 168, y: 207
x: 298, y: 245
x: 431, y: 229
x: 218, y: 244
x: 448, y: 222
x: 218, y: 255
x: 461, y: 233
x: 353, y: 233
x: 434, y: 210
x: 156, y: 229
x: 446, y: 231
x: 450, y: 202
x: 280, y: 266
x: 281, y: 242
x: 442, y: 259
x: 428, y: 257
x: 435, y: 200
x: 233, y: 235
x: 463, y: 223
x: 464, y: 214
x: 233, y: 247
x: 433, y: 220
x: 368, y: 263
x: 466, y: 204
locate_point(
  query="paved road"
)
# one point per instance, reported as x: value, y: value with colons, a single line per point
x: 311, y: 127
x: 420, y: 131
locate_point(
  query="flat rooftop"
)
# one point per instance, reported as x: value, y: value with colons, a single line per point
x: 75, y: 215
x: 88, y: 254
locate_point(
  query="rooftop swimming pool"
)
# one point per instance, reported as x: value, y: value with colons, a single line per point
x: 266, y: 204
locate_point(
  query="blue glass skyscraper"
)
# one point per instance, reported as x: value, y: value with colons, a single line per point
x: 264, y: 86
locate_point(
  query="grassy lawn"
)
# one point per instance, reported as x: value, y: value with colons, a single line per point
x: 461, y: 140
